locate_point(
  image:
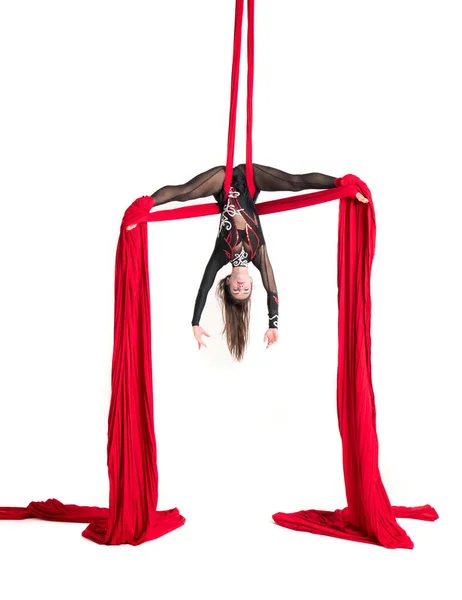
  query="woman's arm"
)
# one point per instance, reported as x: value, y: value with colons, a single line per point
x: 262, y: 262
x: 217, y: 260
x: 270, y: 179
x: 205, y: 184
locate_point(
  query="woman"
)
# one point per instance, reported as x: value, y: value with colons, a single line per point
x: 239, y: 241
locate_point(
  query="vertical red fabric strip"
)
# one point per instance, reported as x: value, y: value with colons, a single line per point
x: 131, y: 449
x: 369, y: 516
x: 234, y: 95
x: 132, y: 516
x: 250, y: 78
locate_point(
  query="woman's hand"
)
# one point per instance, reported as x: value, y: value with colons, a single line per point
x: 361, y: 198
x: 198, y: 332
x: 271, y: 336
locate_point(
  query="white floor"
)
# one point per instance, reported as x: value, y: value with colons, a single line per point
x: 225, y: 553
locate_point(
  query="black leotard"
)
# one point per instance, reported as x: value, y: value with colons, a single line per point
x: 240, y: 238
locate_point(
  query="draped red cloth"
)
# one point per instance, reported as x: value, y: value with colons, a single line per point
x: 369, y: 516
x: 132, y: 516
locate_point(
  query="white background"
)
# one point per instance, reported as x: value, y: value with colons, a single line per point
x: 103, y: 102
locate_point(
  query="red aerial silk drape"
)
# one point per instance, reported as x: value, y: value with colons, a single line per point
x: 132, y: 516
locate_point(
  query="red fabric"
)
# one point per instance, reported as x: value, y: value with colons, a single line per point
x: 234, y: 96
x: 131, y: 452
x: 250, y: 72
x: 369, y: 516
x: 132, y: 516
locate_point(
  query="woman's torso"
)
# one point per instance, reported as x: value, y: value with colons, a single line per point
x: 240, y: 234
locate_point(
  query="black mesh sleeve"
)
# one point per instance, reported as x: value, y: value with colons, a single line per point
x: 270, y: 179
x: 217, y: 260
x: 205, y: 184
x: 262, y: 262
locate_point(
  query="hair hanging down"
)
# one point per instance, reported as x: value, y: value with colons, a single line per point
x: 236, y: 316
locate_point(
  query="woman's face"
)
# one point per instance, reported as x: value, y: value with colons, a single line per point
x: 240, y: 285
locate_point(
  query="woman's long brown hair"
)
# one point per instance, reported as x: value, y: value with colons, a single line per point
x: 236, y: 317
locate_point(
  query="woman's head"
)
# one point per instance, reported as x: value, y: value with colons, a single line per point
x: 234, y: 292
x: 239, y: 283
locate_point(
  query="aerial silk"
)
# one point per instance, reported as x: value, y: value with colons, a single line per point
x: 132, y: 516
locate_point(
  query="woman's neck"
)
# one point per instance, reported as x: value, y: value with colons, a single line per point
x: 241, y: 269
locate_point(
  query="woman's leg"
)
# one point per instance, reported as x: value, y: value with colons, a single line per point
x: 269, y: 179
x: 205, y: 184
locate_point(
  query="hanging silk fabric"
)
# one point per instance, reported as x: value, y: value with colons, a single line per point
x: 132, y: 516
